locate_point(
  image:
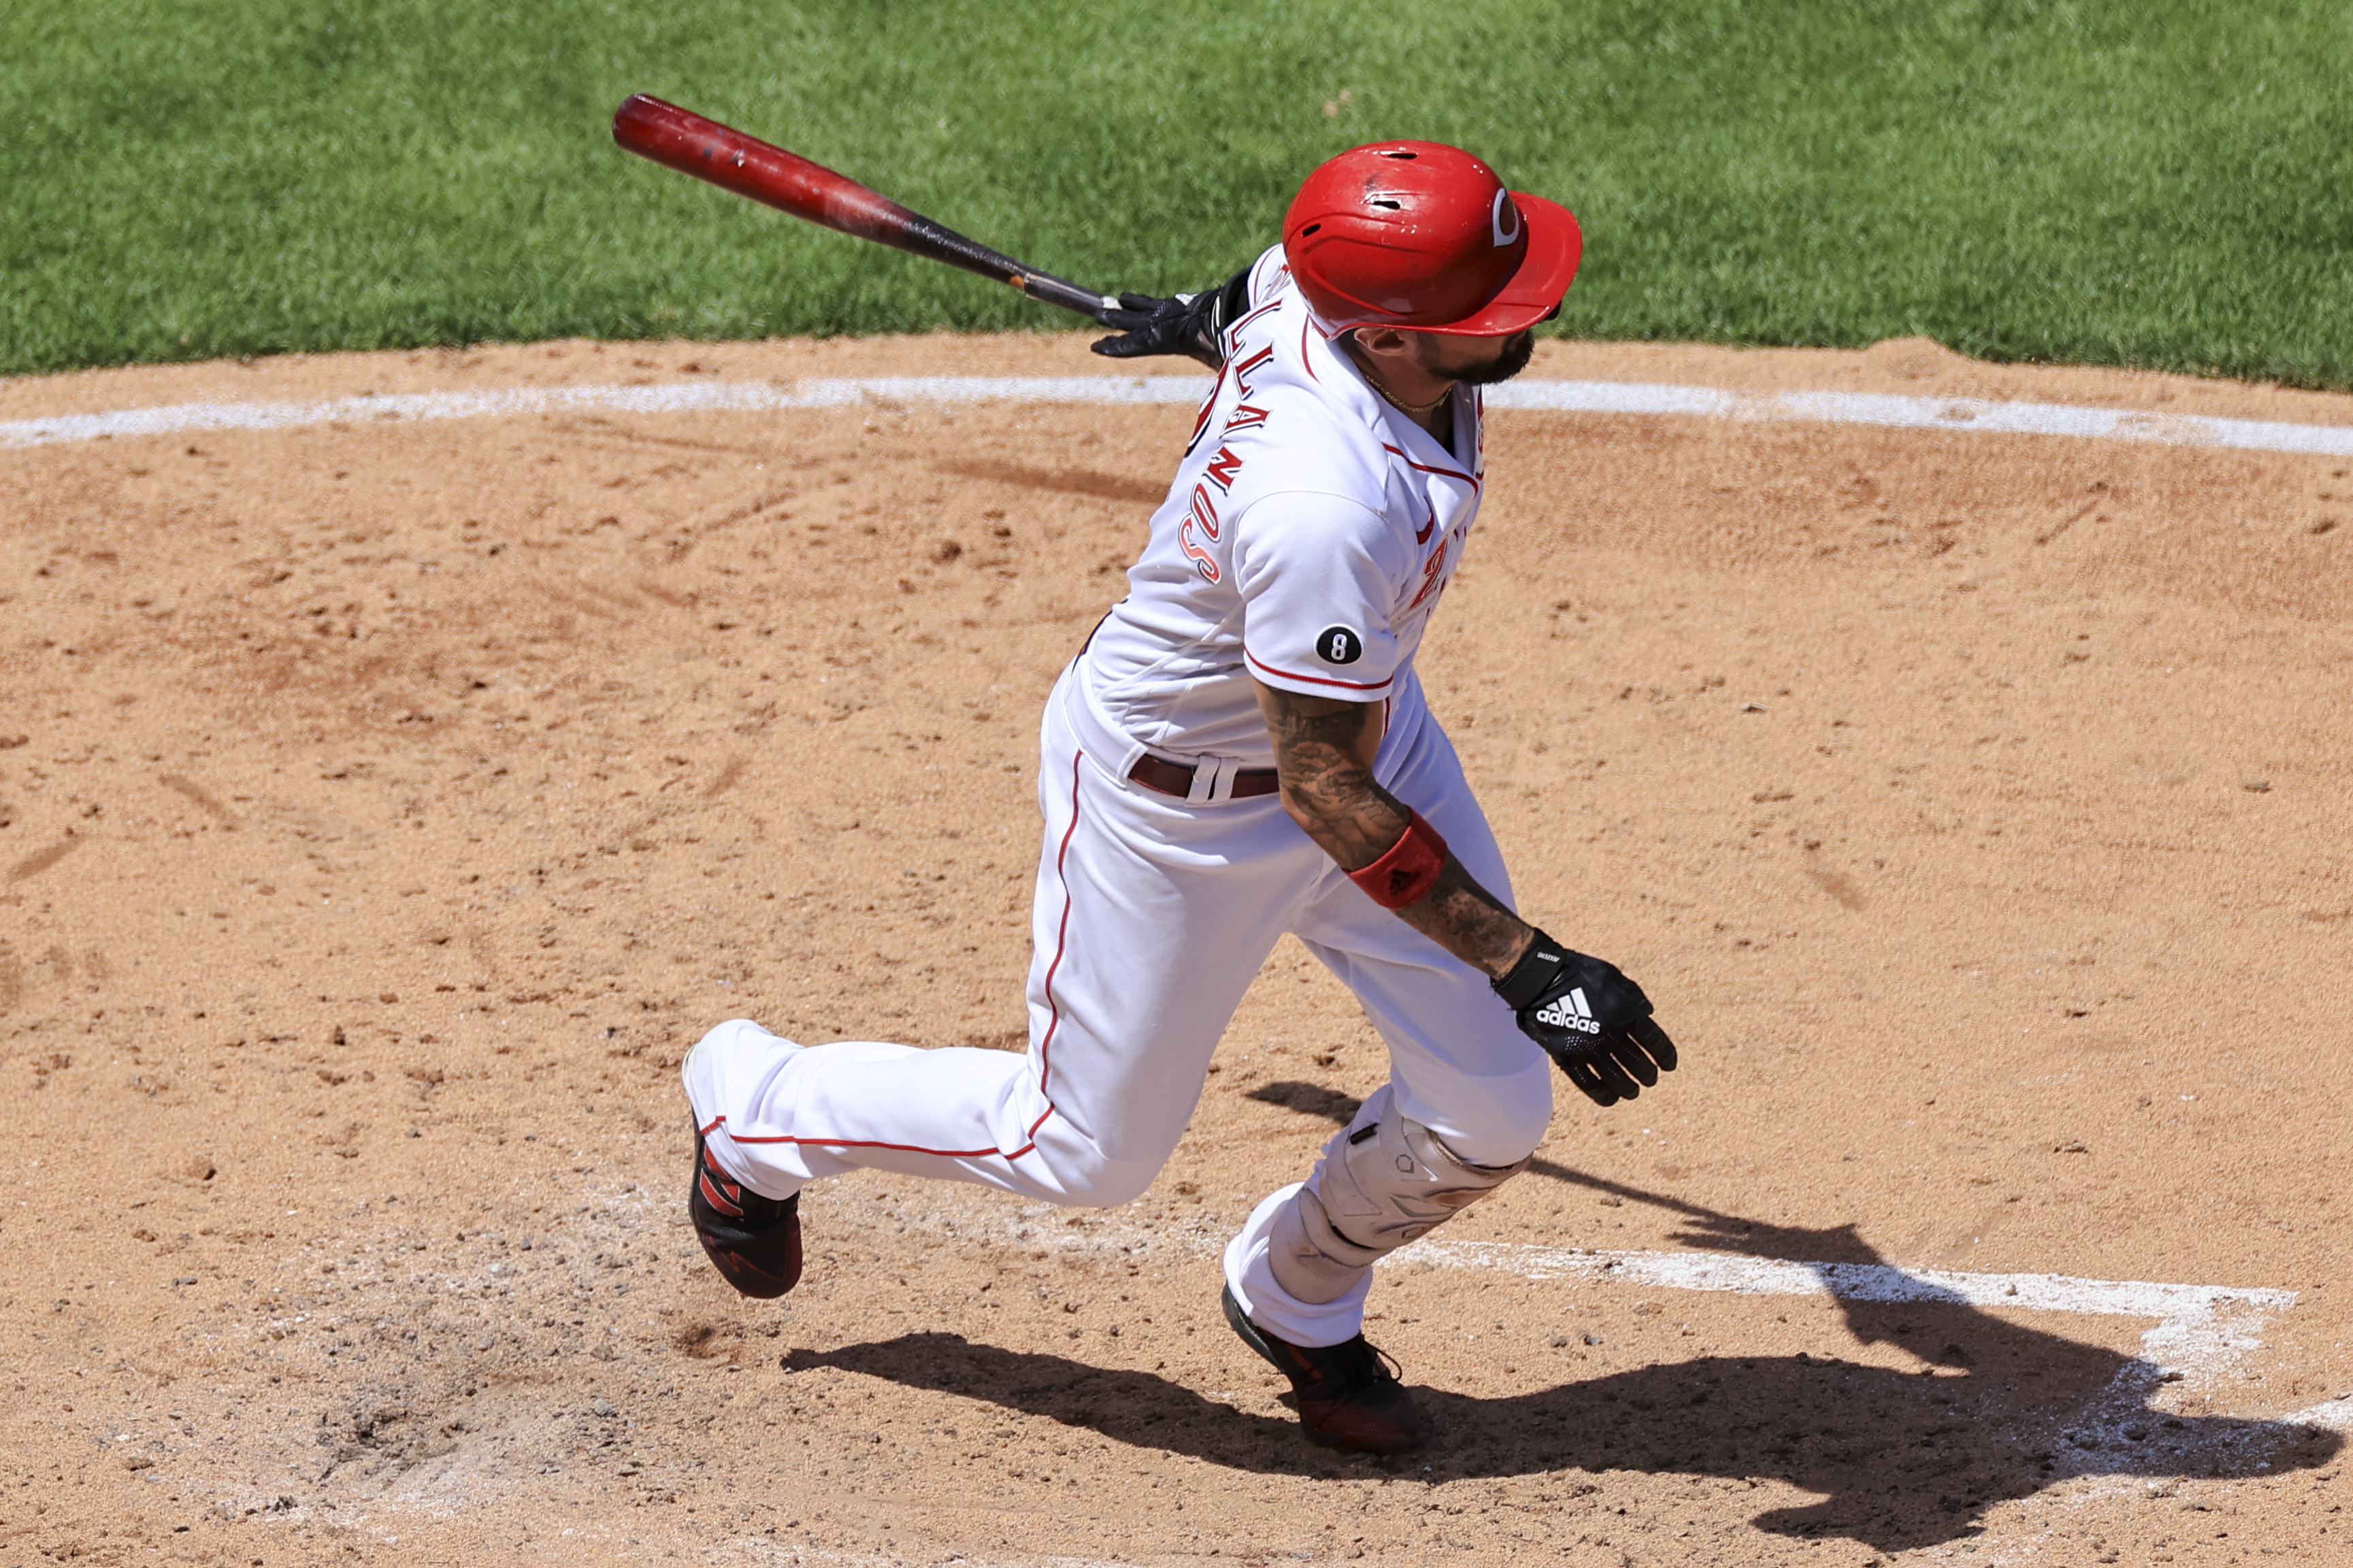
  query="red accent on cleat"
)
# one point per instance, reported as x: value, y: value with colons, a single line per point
x: 717, y: 1190
x: 754, y: 1241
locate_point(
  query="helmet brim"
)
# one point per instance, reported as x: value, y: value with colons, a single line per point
x: 1556, y: 244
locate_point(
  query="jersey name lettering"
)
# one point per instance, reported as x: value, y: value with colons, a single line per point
x: 1430, y: 574
x: 1243, y: 371
x: 1234, y: 332
x: 1208, y: 406
x: 1203, y: 513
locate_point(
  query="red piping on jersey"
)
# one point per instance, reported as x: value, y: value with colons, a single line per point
x: 1045, y: 1047
x: 1208, y: 405
x: 1061, y: 944
x: 876, y: 1143
x: 1317, y: 679
x: 1471, y: 479
x: 1306, y: 363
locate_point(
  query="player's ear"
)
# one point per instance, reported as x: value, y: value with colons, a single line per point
x: 1428, y: 350
x: 1385, y: 341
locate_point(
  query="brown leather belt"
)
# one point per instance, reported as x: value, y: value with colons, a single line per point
x: 1174, y: 778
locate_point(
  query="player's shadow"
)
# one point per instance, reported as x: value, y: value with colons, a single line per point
x: 1986, y: 1410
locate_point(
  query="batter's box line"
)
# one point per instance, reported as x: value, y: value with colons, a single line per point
x: 2201, y: 1334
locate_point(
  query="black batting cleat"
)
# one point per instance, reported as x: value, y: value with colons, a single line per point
x: 755, y: 1241
x: 1349, y: 1396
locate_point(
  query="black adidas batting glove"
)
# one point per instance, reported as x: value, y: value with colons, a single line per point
x: 1589, y: 1018
x: 1190, y: 324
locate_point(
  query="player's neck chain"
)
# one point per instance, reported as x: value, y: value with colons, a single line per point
x: 1410, y: 410
x: 1417, y: 412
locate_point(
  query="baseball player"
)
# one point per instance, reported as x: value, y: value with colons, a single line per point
x: 1243, y: 749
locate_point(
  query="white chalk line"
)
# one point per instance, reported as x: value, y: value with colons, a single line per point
x: 2201, y: 1331
x: 1954, y: 415
x: 2198, y: 1333
x: 1849, y: 1281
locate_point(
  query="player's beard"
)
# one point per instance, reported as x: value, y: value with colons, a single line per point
x: 1511, y: 359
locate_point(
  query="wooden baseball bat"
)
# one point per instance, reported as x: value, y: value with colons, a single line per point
x: 748, y: 166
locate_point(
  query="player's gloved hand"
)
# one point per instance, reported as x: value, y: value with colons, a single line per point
x: 1589, y: 1018
x: 1190, y: 324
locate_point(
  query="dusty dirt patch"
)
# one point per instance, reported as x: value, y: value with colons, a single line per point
x: 382, y: 810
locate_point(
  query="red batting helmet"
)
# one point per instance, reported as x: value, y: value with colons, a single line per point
x: 1423, y: 236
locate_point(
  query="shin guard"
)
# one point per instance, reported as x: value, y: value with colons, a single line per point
x: 1382, y: 1182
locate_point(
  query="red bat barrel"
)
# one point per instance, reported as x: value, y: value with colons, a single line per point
x: 727, y: 158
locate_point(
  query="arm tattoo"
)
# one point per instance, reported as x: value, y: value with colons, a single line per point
x: 1323, y: 749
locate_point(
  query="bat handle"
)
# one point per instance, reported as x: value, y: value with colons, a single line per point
x: 1048, y: 290
x: 922, y: 237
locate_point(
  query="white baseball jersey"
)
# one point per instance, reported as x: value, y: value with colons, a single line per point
x: 1309, y: 534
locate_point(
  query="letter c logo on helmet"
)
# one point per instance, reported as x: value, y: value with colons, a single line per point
x: 1505, y: 234
x: 1423, y: 236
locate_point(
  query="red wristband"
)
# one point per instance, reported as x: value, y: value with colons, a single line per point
x: 1407, y: 871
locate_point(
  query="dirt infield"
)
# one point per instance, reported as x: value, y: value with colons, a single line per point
x: 385, y: 807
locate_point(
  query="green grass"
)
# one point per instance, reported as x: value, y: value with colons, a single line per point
x: 2163, y: 184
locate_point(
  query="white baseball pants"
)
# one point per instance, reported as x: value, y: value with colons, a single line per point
x: 1151, y: 918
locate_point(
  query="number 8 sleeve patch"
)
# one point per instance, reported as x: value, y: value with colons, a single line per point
x: 1339, y: 644
x: 1321, y: 577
